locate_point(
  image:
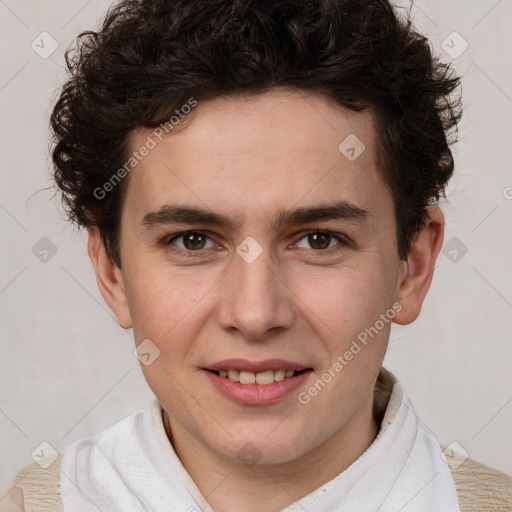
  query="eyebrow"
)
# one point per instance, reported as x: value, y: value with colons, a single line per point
x: 178, y: 214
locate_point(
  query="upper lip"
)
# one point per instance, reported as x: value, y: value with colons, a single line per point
x: 244, y: 365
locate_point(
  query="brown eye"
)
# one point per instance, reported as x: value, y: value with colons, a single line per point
x: 319, y: 240
x: 191, y: 240
x: 322, y: 240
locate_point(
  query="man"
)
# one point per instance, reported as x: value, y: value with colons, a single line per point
x: 259, y: 183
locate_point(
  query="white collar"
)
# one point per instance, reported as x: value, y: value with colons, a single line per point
x: 133, y: 466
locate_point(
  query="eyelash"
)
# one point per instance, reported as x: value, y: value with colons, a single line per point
x: 194, y: 254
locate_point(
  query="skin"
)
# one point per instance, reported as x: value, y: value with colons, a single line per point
x: 248, y: 157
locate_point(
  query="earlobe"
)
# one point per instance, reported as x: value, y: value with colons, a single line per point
x: 417, y: 270
x: 109, y: 278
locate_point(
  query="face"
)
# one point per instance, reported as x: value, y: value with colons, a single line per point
x: 282, y: 257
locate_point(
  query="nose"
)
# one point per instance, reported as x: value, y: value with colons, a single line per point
x: 255, y: 298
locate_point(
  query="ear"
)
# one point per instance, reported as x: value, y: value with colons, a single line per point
x: 109, y: 278
x: 417, y: 270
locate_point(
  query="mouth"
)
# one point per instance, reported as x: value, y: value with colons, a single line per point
x: 256, y: 383
x: 263, y: 378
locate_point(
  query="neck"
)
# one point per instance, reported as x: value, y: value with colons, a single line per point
x: 232, y: 486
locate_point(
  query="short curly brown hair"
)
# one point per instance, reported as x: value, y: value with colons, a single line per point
x: 151, y: 56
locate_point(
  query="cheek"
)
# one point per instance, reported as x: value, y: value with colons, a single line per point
x: 344, y: 300
x: 345, y: 313
x: 169, y: 312
x: 169, y: 309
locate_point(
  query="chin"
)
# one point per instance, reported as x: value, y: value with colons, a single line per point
x: 259, y: 450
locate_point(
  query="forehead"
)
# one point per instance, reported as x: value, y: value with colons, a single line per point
x: 254, y: 155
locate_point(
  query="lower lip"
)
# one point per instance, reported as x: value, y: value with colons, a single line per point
x: 257, y: 394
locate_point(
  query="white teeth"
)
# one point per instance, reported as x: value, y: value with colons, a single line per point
x: 263, y: 378
x: 279, y: 375
x: 247, y: 378
x: 234, y: 375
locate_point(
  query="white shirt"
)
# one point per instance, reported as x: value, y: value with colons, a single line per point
x: 132, y: 466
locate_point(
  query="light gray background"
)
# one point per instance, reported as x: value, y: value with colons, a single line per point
x: 67, y: 368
